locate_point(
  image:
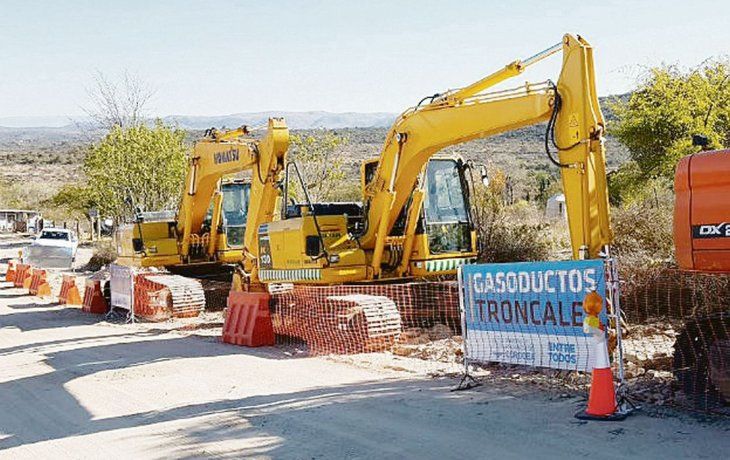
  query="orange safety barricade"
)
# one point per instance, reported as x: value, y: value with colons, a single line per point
x: 248, y: 320
x: 44, y: 289
x: 94, y: 301
x: 37, y: 278
x: 22, y: 272
x: 69, y: 294
x: 10, y: 273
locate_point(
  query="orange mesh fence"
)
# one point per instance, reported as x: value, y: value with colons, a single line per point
x: 677, y: 340
x: 675, y: 335
x: 362, y: 318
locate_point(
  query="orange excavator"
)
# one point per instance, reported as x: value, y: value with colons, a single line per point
x: 702, y: 244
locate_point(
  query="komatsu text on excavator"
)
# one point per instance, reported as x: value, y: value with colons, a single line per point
x: 414, y: 220
x: 217, y: 219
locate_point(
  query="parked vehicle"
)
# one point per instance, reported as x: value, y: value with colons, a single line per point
x: 52, y: 248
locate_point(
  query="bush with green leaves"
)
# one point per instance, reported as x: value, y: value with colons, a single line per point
x: 146, y: 164
x: 659, y: 119
x: 514, y: 232
x: 322, y: 164
x: 643, y: 229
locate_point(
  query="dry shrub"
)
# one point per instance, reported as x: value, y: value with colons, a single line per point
x: 514, y: 232
x: 104, y: 254
x: 643, y: 235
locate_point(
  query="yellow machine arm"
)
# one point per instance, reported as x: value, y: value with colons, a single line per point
x: 575, y: 126
x: 224, y: 153
x: 264, y: 181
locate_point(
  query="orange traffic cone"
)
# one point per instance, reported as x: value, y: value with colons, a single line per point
x: 602, y: 398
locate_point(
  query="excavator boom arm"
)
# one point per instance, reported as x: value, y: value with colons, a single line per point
x: 226, y: 154
x: 264, y: 182
x: 463, y: 115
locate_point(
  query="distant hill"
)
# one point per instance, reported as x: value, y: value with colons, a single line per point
x: 295, y: 120
x: 52, y: 156
x: 66, y: 126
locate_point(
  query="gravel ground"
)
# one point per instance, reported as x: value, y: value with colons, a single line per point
x: 75, y: 386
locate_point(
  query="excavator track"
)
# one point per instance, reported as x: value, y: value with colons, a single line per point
x: 337, y: 324
x: 701, y: 362
x: 164, y: 296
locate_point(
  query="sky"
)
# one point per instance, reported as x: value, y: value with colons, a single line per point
x: 227, y: 56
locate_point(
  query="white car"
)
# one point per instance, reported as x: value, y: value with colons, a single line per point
x: 53, y: 248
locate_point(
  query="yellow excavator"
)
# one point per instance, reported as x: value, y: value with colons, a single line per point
x: 217, y: 219
x: 414, y: 219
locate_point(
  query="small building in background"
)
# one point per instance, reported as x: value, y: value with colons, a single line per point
x: 555, y: 208
x: 19, y: 220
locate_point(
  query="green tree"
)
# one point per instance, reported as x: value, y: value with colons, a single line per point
x: 146, y: 164
x: 322, y: 165
x: 75, y: 200
x: 657, y: 122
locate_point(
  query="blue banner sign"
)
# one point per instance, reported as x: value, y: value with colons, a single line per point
x: 530, y: 313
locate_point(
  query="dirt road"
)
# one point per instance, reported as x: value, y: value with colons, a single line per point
x: 73, y: 386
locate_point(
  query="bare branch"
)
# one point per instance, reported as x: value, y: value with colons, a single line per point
x: 118, y: 104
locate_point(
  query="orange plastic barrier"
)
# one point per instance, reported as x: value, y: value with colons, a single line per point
x: 22, y: 272
x: 94, y: 301
x: 37, y: 278
x: 10, y: 273
x: 44, y: 289
x: 248, y: 321
x: 150, y: 300
x: 69, y: 294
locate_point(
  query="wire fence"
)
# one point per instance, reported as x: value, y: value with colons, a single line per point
x: 677, y: 341
x: 675, y: 332
x: 359, y: 318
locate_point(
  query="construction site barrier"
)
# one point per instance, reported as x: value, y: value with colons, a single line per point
x: 531, y: 313
x: 341, y: 319
x: 38, y: 284
x: 676, y: 339
x: 94, y: 301
x: 37, y: 276
x: 69, y: 294
x: 10, y: 273
x: 158, y: 297
x: 248, y: 320
x: 22, y: 271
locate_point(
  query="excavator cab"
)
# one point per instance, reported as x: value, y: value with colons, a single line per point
x: 446, y: 208
x: 235, y: 211
x: 445, y: 234
x: 154, y: 238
